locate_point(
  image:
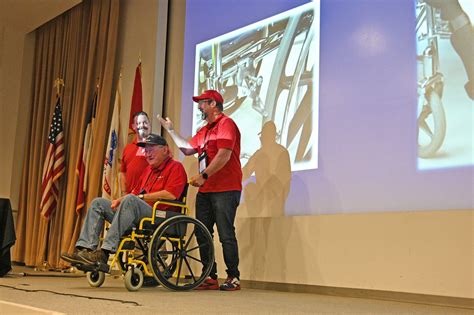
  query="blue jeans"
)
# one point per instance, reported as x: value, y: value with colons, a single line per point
x: 219, y: 208
x: 128, y: 214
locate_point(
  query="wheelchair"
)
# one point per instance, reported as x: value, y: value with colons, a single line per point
x: 163, y: 246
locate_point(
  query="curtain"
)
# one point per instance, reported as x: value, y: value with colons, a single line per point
x: 78, y: 46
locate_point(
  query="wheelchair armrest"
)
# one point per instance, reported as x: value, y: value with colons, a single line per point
x: 170, y: 202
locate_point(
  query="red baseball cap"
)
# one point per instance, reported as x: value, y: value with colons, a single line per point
x: 209, y: 95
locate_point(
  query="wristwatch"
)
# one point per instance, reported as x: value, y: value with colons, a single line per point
x: 141, y: 196
x: 204, y: 175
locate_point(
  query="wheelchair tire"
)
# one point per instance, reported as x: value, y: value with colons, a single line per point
x: 437, y: 131
x: 95, y: 278
x: 175, y: 257
x: 133, y: 279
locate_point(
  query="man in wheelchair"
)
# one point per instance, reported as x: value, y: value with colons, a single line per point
x: 164, y: 178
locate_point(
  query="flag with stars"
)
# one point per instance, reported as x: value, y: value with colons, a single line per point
x: 54, y: 164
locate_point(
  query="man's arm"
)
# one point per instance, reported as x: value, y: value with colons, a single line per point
x: 221, y: 158
x: 162, y: 194
x: 182, y: 143
x: 123, y: 184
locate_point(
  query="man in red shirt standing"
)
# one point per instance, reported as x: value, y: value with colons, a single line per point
x: 163, y: 178
x: 133, y: 159
x: 219, y: 181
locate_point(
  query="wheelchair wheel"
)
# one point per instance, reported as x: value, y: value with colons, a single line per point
x: 133, y: 279
x: 174, y: 254
x: 168, y: 251
x: 95, y: 278
x: 431, y: 126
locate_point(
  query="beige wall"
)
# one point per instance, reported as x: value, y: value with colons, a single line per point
x: 417, y: 252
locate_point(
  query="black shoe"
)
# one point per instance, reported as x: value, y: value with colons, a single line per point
x: 74, y: 258
x: 94, y: 257
x: 150, y: 282
x: 231, y: 284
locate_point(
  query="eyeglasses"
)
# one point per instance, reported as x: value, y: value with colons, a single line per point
x: 150, y: 148
x: 204, y: 101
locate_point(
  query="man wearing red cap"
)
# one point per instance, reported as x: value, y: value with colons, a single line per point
x: 219, y: 181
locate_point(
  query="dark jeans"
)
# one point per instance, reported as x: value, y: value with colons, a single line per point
x: 219, y: 208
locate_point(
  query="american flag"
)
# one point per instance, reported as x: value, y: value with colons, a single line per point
x: 54, y: 165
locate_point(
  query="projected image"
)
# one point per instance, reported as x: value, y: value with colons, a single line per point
x: 268, y: 71
x: 445, y: 39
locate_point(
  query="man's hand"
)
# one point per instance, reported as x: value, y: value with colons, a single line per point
x: 197, y: 180
x: 115, y: 203
x: 166, y: 123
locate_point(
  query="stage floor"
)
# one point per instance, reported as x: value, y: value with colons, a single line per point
x: 69, y: 293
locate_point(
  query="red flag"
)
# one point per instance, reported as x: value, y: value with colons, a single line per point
x: 54, y: 164
x: 82, y: 168
x: 137, y: 99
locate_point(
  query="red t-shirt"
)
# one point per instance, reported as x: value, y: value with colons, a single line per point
x: 133, y: 164
x: 222, y: 133
x: 169, y: 175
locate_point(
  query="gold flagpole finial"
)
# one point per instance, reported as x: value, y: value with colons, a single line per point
x: 57, y: 84
x: 140, y: 57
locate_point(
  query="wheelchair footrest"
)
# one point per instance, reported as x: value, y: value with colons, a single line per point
x: 91, y: 268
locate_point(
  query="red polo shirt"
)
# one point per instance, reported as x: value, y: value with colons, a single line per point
x: 169, y: 175
x: 222, y: 133
x: 133, y: 164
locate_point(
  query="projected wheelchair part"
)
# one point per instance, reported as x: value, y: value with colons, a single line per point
x: 431, y: 117
x: 268, y: 71
x: 444, y: 111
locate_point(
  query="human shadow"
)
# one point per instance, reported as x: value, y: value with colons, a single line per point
x: 262, y: 211
x: 265, y: 194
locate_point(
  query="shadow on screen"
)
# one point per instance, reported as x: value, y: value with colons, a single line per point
x: 265, y: 194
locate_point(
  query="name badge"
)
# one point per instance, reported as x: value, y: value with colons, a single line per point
x: 160, y: 214
x: 202, y: 159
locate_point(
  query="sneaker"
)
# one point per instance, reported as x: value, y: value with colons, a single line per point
x: 74, y: 258
x: 209, y: 284
x: 231, y: 284
x: 96, y: 256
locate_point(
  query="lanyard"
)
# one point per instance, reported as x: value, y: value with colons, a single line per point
x: 210, y: 127
x: 206, y: 139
